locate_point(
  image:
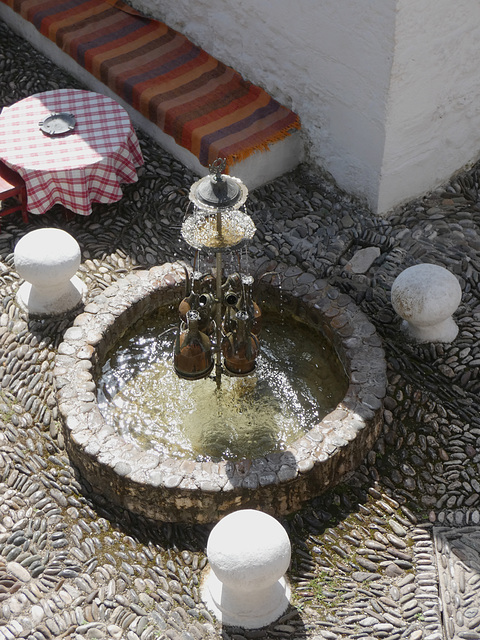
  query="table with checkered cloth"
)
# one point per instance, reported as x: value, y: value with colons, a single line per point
x: 77, y: 168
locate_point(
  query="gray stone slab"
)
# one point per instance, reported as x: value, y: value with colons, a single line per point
x: 457, y: 553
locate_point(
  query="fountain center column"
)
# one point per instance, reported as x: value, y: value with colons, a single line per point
x: 219, y: 224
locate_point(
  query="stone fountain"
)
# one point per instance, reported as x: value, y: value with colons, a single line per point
x: 217, y: 341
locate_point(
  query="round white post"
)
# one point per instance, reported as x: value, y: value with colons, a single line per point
x: 426, y: 296
x: 249, y: 553
x: 47, y: 259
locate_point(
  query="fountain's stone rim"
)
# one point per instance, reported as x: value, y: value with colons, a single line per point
x: 188, y: 491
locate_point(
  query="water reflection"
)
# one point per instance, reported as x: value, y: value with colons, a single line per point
x: 298, y: 380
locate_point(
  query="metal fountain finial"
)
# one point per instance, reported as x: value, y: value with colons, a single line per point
x: 219, y: 184
x: 217, y: 168
x: 218, y: 191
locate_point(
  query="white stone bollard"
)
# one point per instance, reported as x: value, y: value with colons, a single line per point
x: 47, y: 259
x: 249, y: 552
x: 426, y: 296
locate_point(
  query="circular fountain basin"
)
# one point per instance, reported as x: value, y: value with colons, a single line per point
x: 168, y: 488
x: 297, y: 381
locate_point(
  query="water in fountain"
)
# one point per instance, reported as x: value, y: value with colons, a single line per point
x: 297, y: 381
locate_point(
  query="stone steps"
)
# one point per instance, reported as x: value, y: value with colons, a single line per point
x: 274, y: 147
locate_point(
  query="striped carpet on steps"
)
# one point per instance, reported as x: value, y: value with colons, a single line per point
x: 206, y: 106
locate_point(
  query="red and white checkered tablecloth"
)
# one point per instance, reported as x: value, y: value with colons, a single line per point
x: 77, y: 168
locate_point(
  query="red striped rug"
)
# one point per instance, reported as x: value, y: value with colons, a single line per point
x: 204, y: 105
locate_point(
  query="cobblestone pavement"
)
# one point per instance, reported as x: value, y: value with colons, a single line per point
x: 378, y: 556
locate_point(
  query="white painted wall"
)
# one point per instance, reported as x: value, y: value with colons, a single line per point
x: 433, y: 115
x: 329, y: 61
x: 388, y: 90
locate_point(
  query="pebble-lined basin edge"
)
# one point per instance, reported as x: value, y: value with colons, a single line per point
x: 175, y: 490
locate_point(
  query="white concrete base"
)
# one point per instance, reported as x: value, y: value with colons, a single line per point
x: 257, y: 169
x: 445, y: 331
x: 245, y: 612
x: 426, y: 296
x: 47, y: 259
x: 249, y: 552
x: 40, y: 302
